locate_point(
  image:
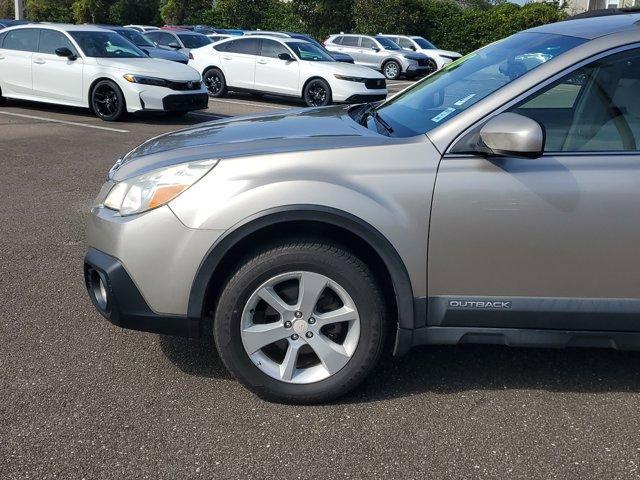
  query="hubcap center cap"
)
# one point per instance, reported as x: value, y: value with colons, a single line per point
x: 300, y: 327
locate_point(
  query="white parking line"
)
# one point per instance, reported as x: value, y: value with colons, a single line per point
x: 243, y: 102
x: 53, y: 120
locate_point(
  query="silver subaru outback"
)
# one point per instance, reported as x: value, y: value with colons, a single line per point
x: 496, y: 201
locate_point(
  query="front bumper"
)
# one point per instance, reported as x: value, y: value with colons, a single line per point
x: 152, y: 98
x: 366, y: 98
x: 116, y: 297
x: 417, y: 69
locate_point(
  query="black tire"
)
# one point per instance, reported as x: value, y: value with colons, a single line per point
x: 432, y: 67
x: 391, y: 70
x: 304, y: 255
x: 215, y: 82
x: 3, y: 100
x: 317, y: 93
x: 107, y: 101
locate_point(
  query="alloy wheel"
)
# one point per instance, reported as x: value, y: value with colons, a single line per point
x: 316, y: 95
x: 391, y: 70
x: 106, y: 101
x: 213, y: 82
x: 300, y: 327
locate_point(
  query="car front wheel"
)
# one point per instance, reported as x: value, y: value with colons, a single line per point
x: 215, y: 82
x: 317, y: 93
x: 391, y: 70
x: 107, y: 101
x: 300, y: 322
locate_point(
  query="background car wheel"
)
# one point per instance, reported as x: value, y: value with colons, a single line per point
x: 432, y: 66
x: 107, y: 101
x: 300, y: 322
x: 391, y: 70
x: 317, y: 93
x: 215, y: 82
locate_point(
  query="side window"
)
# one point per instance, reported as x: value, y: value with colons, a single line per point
x: 350, y: 41
x: 367, y: 43
x: 50, y: 40
x: 404, y: 42
x: 164, y: 39
x: 271, y: 48
x: 593, y: 109
x: 25, y: 40
x: 153, y: 36
x: 247, y: 46
x: 338, y: 40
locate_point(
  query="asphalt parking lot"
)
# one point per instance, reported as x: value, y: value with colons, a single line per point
x: 81, y: 398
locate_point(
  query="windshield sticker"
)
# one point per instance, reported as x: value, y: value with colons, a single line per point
x: 442, y: 115
x: 464, y: 100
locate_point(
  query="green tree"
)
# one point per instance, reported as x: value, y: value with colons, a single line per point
x: 142, y: 12
x: 91, y: 11
x: 48, y: 10
x: 324, y: 17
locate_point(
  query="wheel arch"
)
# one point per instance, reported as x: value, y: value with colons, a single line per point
x: 310, y: 79
x: 329, y: 223
x: 93, y: 85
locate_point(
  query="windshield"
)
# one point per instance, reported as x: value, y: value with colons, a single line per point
x: 461, y: 84
x: 422, y: 43
x: 308, y: 51
x: 193, y: 41
x: 388, y: 44
x: 106, y: 45
x: 136, y: 38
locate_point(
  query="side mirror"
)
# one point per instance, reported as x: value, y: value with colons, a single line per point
x: 512, y: 135
x: 174, y: 45
x: 375, y: 49
x: 413, y: 48
x: 65, y: 52
x: 286, y: 57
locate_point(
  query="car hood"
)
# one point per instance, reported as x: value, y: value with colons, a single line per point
x: 155, y: 52
x: 446, y: 53
x: 289, y: 131
x: 410, y: 54
x: 154, y: 67
x: 342, y: 68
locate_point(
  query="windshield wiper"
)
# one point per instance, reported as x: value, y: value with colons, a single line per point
x: 370, y: 111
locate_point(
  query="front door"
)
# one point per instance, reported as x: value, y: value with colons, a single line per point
x: 276, y: 75
x: 548, y: 243
x: 57, y: 78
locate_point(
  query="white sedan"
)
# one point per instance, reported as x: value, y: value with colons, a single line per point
x: 87, y: 66
x: 286, y: 67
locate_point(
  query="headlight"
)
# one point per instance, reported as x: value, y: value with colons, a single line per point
x: 158, y: 82
x: 350, y: 79
x: 154, y: 189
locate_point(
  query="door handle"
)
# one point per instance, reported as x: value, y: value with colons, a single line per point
x: 262, y: 62
x: 227, y: 58
x: 39, y: 61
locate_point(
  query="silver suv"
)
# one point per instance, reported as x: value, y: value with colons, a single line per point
x: 494, y: 202
x: 380, y: 53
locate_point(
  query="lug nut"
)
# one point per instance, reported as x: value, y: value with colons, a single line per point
x: 294, y: 336
x: 312, y: 321
x: 298, y: 314
x: 287, y: 324
x: 309, y: 334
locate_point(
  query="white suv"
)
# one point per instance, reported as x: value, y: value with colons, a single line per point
x: 86, y: 66
x: 286, y: 67
x: 422, y: 45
